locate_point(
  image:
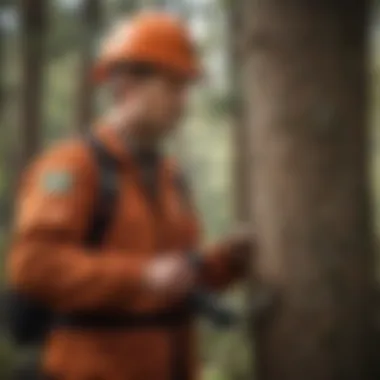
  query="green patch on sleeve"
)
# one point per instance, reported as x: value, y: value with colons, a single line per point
x: 57, y: 182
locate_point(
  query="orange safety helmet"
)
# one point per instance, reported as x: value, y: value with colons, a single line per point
x: 151, y: 37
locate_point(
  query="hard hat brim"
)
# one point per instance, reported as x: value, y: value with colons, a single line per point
x: 192, y: 73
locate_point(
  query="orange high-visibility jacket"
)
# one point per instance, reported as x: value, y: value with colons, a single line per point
x: 49, y: 260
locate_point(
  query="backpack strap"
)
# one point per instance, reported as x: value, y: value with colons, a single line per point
x: 105, y: 203
x: 182, y: 186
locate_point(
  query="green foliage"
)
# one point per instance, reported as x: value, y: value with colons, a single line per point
x: 60, y: 93
x: 66, y: 32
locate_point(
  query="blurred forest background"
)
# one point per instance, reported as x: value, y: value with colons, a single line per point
x: 205, y: 145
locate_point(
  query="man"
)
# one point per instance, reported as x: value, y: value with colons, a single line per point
x: 142, y: 267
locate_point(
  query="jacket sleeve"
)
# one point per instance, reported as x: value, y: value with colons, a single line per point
x: 47, y: 259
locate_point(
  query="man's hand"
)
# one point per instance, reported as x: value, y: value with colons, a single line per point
x: 170, y: 274
x: 240, y: 240
x: 238, y: 248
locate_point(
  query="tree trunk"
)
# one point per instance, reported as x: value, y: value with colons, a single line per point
x: 91, y: 14
x: 33, y: 23
x: 309, y: 129
x: 2, y: 55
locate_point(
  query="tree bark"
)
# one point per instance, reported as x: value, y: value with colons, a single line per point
x: 91, y: 15
x: 2, y: 38
x: 308, y: 90
x: 33, y: 25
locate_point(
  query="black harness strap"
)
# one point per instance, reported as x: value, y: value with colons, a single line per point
x: 99, y: 321
x: 107, y: 192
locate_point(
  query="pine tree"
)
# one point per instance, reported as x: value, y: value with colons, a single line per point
x: 33, y: 29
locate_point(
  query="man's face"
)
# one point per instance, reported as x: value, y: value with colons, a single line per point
x: 159, y: 102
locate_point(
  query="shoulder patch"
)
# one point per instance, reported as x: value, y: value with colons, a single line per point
x: 57, y: 182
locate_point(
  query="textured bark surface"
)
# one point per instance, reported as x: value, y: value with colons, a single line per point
x: 308, y: 89
x: 2, y: 55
